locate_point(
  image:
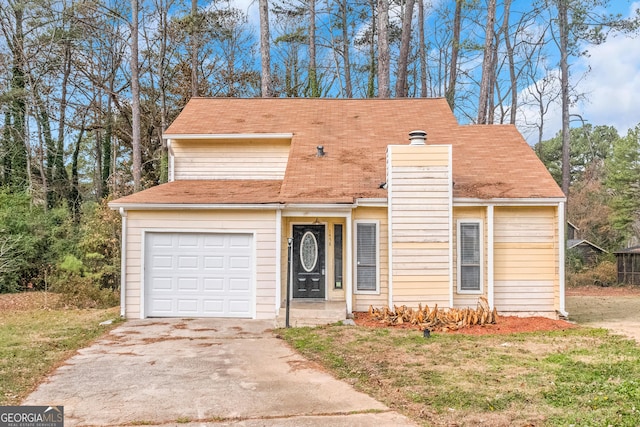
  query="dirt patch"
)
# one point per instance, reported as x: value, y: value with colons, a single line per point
x: 29, y: 301
x: 612, y: 291
x: 615, y: 308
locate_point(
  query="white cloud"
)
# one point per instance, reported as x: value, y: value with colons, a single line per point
x: 613, y: 84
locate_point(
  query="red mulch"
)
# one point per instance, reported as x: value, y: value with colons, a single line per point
x: 504, y: 325
x: 513, y: 324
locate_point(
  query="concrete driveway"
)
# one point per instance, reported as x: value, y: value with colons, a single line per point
x: 215, y: 372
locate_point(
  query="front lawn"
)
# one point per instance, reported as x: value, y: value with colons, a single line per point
x: 34, y: 339
x: 581, y: 377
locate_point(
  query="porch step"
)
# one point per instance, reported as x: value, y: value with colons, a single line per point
x: 312, y: 313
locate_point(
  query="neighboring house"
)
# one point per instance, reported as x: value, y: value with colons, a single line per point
x: 374, y: 218
x: 589, y: 252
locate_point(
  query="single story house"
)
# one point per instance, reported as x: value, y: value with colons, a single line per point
x: 587, y: 251
x: 385, y: 202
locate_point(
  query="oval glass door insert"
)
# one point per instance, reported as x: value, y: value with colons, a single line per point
x: 308, y: 251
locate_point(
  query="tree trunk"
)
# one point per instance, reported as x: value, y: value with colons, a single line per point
x: 106, y: 150
x: 373, y: 66
x: 422, y: 50
x: 384, y: 72
x: 450, y: 93
x: 313, y: 74
x: 18, y: 174
x: 348, y: 88
x: 61, y: 179
x: 265, y: 50
x: 563, y: 27
x: 135, y: 101
x: 405, y: 47
x: 487, y: 70
x: 195, y: 27
x: 512, y: 67
x: 75, y: 199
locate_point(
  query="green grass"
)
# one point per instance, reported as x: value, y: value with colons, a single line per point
x: 34, y: 342
x: 581, y: 377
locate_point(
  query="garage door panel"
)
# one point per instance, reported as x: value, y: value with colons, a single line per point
x: 163, y: 305
x: 187, y: 262
x: 239, y: 262
x: 214, y: 262
x: 213, y: 284
x: 214, y: 241
x: 240, y: 241
x: 188, y: 241
x: 213, y: 307
x: 188, y: 284
x: 163, y: 241
x: 237, y: 307
x: 159, y: 261
x: 239, y: 285
x: 162, y: 284
x: 179, y: 280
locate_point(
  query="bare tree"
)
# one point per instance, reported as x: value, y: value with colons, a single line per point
x: 487, y: 64
x: 194, y: 47
x: 384, y: 54
x: 405, y: 48
x: 422, y: 50
x: 265, y: 50
x: 135, y: 100
x: 450, y: 93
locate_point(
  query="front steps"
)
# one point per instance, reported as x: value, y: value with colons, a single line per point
x: 312, y: 313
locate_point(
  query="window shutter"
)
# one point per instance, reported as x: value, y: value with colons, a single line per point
x: 366, y: 257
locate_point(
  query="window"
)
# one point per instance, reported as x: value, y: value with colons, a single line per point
x: 469, y: 256
x: 337, y: 255
x: 367, y: 257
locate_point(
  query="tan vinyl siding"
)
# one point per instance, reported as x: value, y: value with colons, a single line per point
x: 419, y: 179
x: 220, y: 159
x: 525, y: 259
x: 261, y: 223
x: 362, y: 301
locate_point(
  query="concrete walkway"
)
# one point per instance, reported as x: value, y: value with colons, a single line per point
x: 215, y: 372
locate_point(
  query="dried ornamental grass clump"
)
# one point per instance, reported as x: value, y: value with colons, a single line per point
x: 437, y: 319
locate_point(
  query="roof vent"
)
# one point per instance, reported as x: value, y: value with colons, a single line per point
x: 320, y: 151
x: 418, y: 137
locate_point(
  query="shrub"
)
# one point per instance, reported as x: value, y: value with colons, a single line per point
x: 79, y: 288
x: 603, y: 274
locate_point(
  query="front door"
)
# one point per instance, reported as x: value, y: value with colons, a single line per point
x: 308, y: 261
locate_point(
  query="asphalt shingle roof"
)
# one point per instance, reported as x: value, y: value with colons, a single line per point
x: 490, y: 161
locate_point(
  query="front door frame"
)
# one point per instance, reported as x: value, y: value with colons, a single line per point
x: 327, y: 211
x: 326, y: 260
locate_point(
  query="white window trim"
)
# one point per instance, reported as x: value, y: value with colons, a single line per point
x: 355, y: 257
x: 458, y: 256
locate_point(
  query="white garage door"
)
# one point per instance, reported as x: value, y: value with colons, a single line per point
x: 198, y: 275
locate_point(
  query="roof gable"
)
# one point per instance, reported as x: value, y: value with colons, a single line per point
x: 489, y: 161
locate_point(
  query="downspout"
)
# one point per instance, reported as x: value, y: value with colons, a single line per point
x: 490, y: 249
x: 389, y: 230
x: 123, y: 263
x: 278, y: 260
x: 451, y: 225
x: 171, y: 161
x: 561, y: 256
